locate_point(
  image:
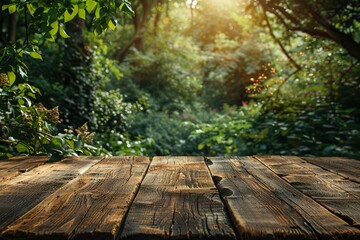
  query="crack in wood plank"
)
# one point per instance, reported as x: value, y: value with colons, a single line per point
x: 261, y: 194
x: 22, y: 193
x: 327, y: 188
x: 91, y: 206
x: 177, y: 200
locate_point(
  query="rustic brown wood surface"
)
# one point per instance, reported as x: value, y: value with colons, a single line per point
x: 327, y: 188
x: 253, y: 205
x: 20, y: 194
x: 259, y: 197
x: 13, y: 167
x: 177, y: 200
x: 315, y: 216
x: 93, y: 205
x: 348, y: 168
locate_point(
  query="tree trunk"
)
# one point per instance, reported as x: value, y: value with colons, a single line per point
x: 159, y: 6
x: 142, y: 14
x: 318, y: 25
x: 346, y: 41
x: 12, y: 28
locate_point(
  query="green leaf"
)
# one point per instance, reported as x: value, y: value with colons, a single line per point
x: 111, y: 25
x: 63, y: 34
x: 32, y: 95
x: 21, y: 87
x: 12, y: 78
x: 68, y: 17
x: 82, y: 5
x: 90, y: 5
x: 31, y: 9
x: 57, y: 141
x: 55, y: 28
x: 201, y: 146
x: 50, y: 38
x: 12, y: 8
x: 22, y: 72
x: 97, y: 12
x: 36, y: 55
x: 6, y: 6
x: 70, y: 143
x: 125, y: 7
x: 82, y: 14
x: 22, y: 148
x: 21, y: 101
x: 28, y: 101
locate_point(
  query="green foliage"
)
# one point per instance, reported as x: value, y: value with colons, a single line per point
x: 233, y: 52
x: 334, y: 20
x: 122, y: 144
x: 229, y: 70
x: 85, y: 93
x: 168, y: 133
x: 207, y: 80
x: 309, y: 113
x: 110, y: 112
x: 31, y: 129
x: 291, y: 130
x: 163, y: 77
x: 111, y: 119
x: 48, y: 18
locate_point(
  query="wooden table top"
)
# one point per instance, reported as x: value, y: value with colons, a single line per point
x: 257, y: 197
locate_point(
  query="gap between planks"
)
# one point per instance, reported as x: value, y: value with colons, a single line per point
x: 339, y: 195
x: 177, y: 200
x: 226, y: 195
x: 91, y: 206
x: 257, y: 179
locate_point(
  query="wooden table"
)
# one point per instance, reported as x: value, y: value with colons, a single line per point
x: 259, y: 197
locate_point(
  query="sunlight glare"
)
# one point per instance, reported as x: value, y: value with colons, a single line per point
x: 191, y: 3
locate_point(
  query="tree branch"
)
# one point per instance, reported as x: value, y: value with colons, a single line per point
x: 292, y: 61
x: 324, y: 29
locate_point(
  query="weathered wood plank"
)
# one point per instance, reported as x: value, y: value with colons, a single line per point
x: 311, y: 179
x: 177, y: 200
x: 256, y: 210
x: 321, y: 221
x: 339, y: 195
x: 13, y: 167
x: 22, y: 193
x: 348, y: 168
x: 348, y: 210
x: 91, y: 206
x: 324, y: 222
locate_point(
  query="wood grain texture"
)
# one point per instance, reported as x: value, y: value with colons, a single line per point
x: 91, y: 206
x: 348, y: 210
x: 348, y: 168
x: 341, y: 196
x: 22, y: 193
x: 255, y: 209
x: 311, y: 179
x: 13, y: 167
x: 177, y: 200
x: 325, y: 224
